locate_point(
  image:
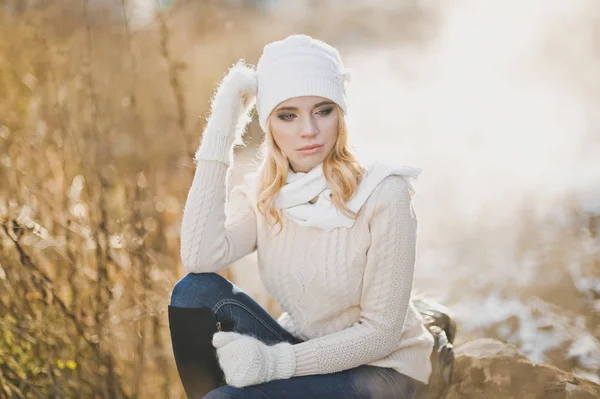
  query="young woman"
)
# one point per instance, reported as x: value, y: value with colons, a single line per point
x: 335, y: 239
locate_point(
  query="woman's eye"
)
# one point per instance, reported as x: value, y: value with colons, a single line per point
x: 325, y: 111
x: 286, y: 117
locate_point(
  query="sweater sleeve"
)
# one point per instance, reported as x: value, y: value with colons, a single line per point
x: 215, y: 231
x: 387, y: 285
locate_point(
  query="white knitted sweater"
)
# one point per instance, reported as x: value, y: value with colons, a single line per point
x: 346, y: 292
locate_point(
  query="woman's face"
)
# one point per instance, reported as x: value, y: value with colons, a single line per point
x: 305, y: 121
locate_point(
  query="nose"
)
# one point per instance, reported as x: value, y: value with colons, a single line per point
x: 309, y: 127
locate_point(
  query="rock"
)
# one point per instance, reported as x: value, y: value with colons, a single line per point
x: 491, y: 369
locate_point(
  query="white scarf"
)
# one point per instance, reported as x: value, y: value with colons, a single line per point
x: 302, y: 187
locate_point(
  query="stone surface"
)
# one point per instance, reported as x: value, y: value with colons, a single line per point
x: 491, y: 369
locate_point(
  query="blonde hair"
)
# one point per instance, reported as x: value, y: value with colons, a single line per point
x: 341, y: 168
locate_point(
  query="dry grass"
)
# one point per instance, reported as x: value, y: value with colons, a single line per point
x: 97, y: 132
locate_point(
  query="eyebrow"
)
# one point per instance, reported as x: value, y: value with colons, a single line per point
x: 296, y: 108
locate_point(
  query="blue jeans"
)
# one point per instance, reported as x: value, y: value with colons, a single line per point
x: 229, y: 302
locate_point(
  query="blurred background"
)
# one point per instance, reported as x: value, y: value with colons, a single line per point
x: 102, y: 105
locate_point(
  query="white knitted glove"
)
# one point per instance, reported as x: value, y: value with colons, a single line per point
x: 229, y: 115
x: 247, y: 361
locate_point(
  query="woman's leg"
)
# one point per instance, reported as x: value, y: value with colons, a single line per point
x: 364, y: 382
x: 198, y: 303
x: 229, y: 303
x: 191, y: 335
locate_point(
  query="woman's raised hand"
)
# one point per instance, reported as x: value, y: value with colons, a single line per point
x: 229, y: 114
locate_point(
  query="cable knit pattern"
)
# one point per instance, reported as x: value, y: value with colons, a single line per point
x: 345, y: 292
x: 385, y: 296
x: 215, y: 233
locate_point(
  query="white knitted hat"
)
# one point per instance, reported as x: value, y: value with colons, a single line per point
x: 299, y: 66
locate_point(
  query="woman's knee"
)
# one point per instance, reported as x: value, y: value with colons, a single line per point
x: 196, y: 290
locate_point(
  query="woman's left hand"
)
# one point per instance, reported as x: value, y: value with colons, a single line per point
x: 247, y: 361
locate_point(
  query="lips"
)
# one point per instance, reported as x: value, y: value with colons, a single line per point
x: 310, y: 147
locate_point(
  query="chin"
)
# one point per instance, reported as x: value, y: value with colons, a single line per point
x: 305, y: 165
